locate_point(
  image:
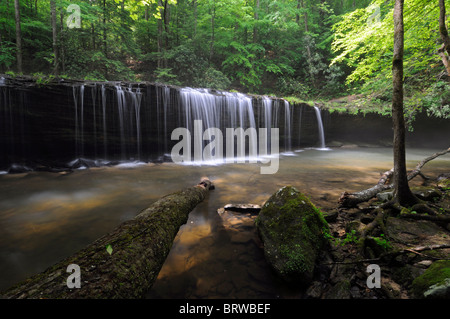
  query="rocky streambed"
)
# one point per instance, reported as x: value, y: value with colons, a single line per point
x: 411, y: 257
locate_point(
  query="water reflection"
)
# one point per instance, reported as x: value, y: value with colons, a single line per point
x: 45, y: 217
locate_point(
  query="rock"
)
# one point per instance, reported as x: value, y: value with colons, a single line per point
x: 340, y: 291
x: 385, y: 196
x: 439, y: 291
x: 18, y: 169
x: 315, y: 290
x: 423, y: 264
x: 335, y: 144
x: 355, y: 293
x: 292, y: 231
x: 415, y: 232
x: 426, y: 193
x: 443, y: 181
x: 331, y: 216
x: 434, y: 282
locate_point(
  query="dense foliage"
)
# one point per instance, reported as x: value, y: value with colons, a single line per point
x: 301, y: 48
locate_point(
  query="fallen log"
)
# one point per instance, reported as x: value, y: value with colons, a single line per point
x: 124, y: 263
x: 348, y: 200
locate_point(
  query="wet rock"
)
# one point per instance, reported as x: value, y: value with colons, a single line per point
x: 434, y: 282
x: 439, y: 291
x: 18, y: 169
x: 292, y: 231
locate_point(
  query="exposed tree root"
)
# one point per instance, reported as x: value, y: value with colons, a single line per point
x: 348, y: 200
x: 386, y: 257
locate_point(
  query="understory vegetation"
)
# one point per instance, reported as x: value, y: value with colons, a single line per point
x: 330, y: 52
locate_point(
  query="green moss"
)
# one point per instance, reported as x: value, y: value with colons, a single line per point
x: 437, y: 273
x: 293, y: 231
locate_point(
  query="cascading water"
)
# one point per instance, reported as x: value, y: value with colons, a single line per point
x: 320, y: 125
x: 112, y: 123
x: 287, y: 129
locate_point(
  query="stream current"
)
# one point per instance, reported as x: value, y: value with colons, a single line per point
x: 45, y: 217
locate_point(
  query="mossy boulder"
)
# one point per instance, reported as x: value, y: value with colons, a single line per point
x: 293, y: 232
x: 434, y: 282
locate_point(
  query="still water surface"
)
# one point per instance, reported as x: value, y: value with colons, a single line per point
x: 44, y: 217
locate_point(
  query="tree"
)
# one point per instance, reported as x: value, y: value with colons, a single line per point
x: 18, y: 36
x: 54, y: 36
x: 402, y: 191
x: 444, y: 36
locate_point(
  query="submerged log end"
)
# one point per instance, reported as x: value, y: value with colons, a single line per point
x: 206, y: 183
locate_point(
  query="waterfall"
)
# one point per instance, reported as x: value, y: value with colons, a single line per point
x: 134, y: 122
x: 136, y: 98
x: 221, y: 110
x: 105, y: 137
x: 94, y: 117
x: 287, y: 129
x: 320, y: 125
x: 78, y: 97
x: 267, y: 104
x: 121, y: 108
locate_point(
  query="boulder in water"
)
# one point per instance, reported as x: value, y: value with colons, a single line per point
x: 293, y: 232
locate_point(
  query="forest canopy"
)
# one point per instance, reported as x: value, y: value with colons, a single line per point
x: 291, y: 48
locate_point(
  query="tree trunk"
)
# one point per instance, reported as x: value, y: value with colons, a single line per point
x: 124, y: 263
x: 213, y: 33
x: 444, y: 36
x: 18, y: 36
x: 54, y: 37
x: 62, y: 41
x: 401, y: 188
x: 160, y: 36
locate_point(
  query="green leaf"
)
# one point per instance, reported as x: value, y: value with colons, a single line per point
x: 109, y: 249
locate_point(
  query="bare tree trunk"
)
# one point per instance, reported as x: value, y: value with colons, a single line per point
x: 54, y: 37
x: 18, y: 36
x: 401, y: 188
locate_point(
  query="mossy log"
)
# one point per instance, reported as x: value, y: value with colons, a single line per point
x: 124, y: 263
